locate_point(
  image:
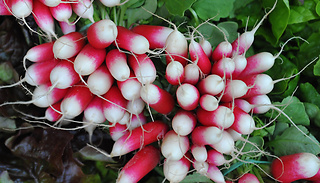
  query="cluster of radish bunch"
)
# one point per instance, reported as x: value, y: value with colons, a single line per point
x: 46, y: 12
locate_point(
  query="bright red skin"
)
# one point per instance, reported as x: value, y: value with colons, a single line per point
x: 66, y: 28
x: 203, y: 61
x: 221, y: 51
x: 215, y: 157
x: 93, y: 38
x: 156, y: 35
x: 42, y: 70
x: 137, y: 60
x: 43, y: 52
x: 66, y: 8
x: 125, y: 38
x: 218, y: 69
x: 56, y: 93
x: 147, y: 134
x: 238, y: 112
x: 54, y: 115
x: 117, y: 128
x: 166, y: 103
x: 3, y: 8
x: 258, y: 63
x: 248, y: 177
x: 78, y: 39
x: 289, y: 170
x: 43, y: 16
x: 195, y: 103
x: 198, y: 136
x: 207, y: 118
x: 72, y: 73
x: 141, y: 163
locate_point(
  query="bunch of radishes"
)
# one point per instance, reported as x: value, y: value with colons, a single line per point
x: 109, y: 74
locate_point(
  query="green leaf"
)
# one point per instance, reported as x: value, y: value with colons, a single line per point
x: 195, y: 177
x: 290, y: 106
x: 207, y: 9
x: 292, y: 141
x: 299, y: 14
x: 6, y: 72
x: 316, y: 68
x: 140, y: 13
x: 318, y: 8
x: 178, y: 7
x: 309, y: 94
x: 7, y: 124
x: 311, y: 109
x: 249, y: 149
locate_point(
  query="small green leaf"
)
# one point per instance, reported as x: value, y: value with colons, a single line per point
x: 311, y: 109
x: 316, y: 68
x: 178, y: 7
x: 309, y: 94
x: 195, y: 177
x: 140, y: 13
x: 207, y: 9
x: 292, y: 141
x: 318, y: 8
x: 6, y: 72
x: 299, y: 14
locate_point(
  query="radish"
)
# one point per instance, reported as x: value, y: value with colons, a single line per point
x: 187, y: 96
x: 75, y: 101
x: 241, y: 63
x: 63, y: 75
x: 173, y: 146
x: 44, y: 97
x: 215, y: 174
x: 235, y: 89
x: 222, y: 117
x: 198, y: 56
x: 245, y: 40
x: 88, y: 60
x: 191, y: 74
x: 175, y: 73
x: 143, y: 68
x: 183, y: 122
x: 137, y: 121
x: 130, y: 88
x: 100, y: 81
x: 294, y: 167
x: 84, y: 9
x: 155, y: 34
x: 208, y: 102
x: 212, y: 84
x: 125, y: 119
x: 199, y: 153
x: 206, y: 135
x: 4, y: 7
x: 67, y: 28
x: 113, y: 3
x: 201, y: 167
x: 52, y: 3
x: 225, y: 145
x: 139, y: 165
x: 117, y: 130
x: 248, y: 178
x: 102, y: 33
x: 223, y: 50
x: 68, y: 45
x: 114, y: 106
x: 224, y: 68
x: 138, y: 137
x: 157, y: 98
x: 260, y: 103
x: 136, y: 106
x: 131, y: 41
x: 243, y: 122
x: 19, y: 8
x: 243, y: 104
x: 39, y: 53
x: 61, y: 12
x: 176, y: 170
x: 206, y: 46
x: 259, y: 84
x: 53, y: 113
x: 315, y: 178
x: 215, y: 158
x: 116, y: 62
x: 43, y: 18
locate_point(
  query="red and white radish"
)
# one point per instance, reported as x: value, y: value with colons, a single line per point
x: 102, y: 33
x: 53, y: 113
x: 206, y: 135
x: 130, y: 88
x: 117, y: 130
x: 173, y: 146
x: 212, y: 84
x: 235, y: 89
x: 176, y: 170
x: 224, y: 68
x: 248, y: 178
x: 84, y: 9
x: 67, y: 28
x: 199, y: 153
x: 223, y: 50
x: 44, y: 96
x: 116, y: 62
x: 187, y: 96
x: 184, y: 122
x: 226, y: 145
x: 61, y: 12
x: 222, y: 117
x: 175, y: 73
x: 100, y: 81
x: 68, y: 45
x: 215, y: 158
x: 43, y: 18
x: 191, y: 74
x: 143, y: 68
x: 208, y: 102
x: 198, y: 56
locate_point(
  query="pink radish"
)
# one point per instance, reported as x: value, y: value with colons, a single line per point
x: 75, y: 101
x: 143, y: 68
x: 260, y: 103
x: 131, y: 41
x: 125, y: 119
x: 241, y: 63
x: 259, y: 84
x: 201, y: 167
x: 234, y: 89
x: 206, y: 46
x: 224, y: 68
x: 53, y: 113
x: 114, y: 107
x: 4, y: 7
x: 117, y: 130
x: 68, y: 45
x: 43, y: 18
x: 136, y: 106
x: 226, y: 145
x: 84, y: 9
x: 222, y: 117
x: 212, y: 84
x: 206, y: 135
x: 130, y: 88
x: 39, y: 72
x: 199, y: 153
x: 243, y: 122
x: 52, y: 3
x: 61, y: 12
x: 243, y: 104
x: 315, y: 178
x: 245, y: 40
x: 39, y: 53
x: 248, y: 178
x: 155, y: 34
x: 100, y: 81
x: 20, y: 8
x: 157, y: 98
x: 223, y: 50
x: 43, y: 97
x: 208, y: 102
x: 138, y: 137
x: 137, y: 121
x: 215, y: 158
x: 184, y: 122
x: 173, y: 146
x: 191, y: 74
x: 102, y: 33
x: 198, y: 56
x: 177, y: 170
x: 67, y: 28
x: 187, y: 96
x: 88, y: 60
x: 215, y: 174
x: 139, y: 165
x: 175, y: 73
x: 235, y: 135
x: 294, y: 167
x: 63, y: 75
x: 116, y: 62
